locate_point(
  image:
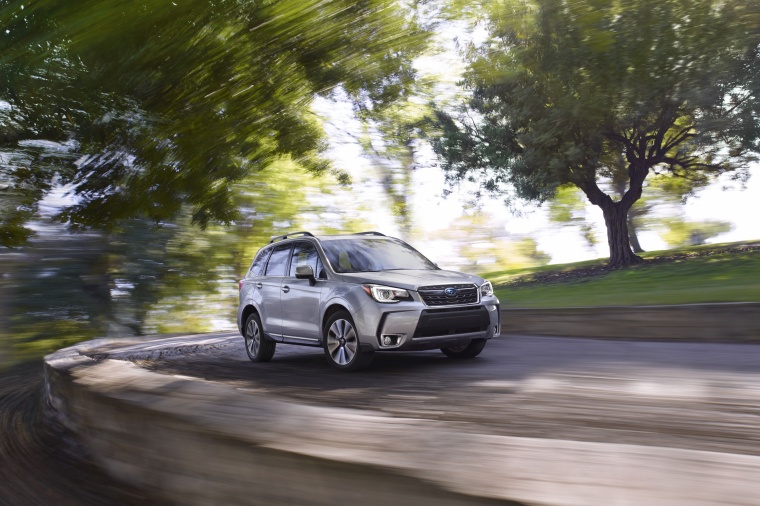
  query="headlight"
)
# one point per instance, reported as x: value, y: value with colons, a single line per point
x: 386, y: 293
x: 486, y: 289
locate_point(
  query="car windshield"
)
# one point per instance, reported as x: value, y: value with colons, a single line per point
x: 371, y: 254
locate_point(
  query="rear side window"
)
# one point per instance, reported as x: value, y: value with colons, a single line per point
x: 304, y: 253
x: 257, y: 268
x: 278, y: 262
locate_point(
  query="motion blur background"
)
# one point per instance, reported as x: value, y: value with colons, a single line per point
x: 149, y: 149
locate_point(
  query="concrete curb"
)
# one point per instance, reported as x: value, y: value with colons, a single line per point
x: 728, y: 322
x: 200, y: 443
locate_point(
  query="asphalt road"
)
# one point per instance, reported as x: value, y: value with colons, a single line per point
x: 680, y: 395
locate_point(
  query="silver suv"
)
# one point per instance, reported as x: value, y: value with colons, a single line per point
x: 357, y: 294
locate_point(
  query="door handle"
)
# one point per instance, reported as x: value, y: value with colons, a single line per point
x: 286, y: 288
x: 259, y: 285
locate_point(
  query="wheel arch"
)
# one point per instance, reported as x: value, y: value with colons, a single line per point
x: 247, y: 311
x: 364, y: 352
x: 329, y: 311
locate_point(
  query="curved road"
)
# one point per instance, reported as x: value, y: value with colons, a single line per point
x: 681, y: 395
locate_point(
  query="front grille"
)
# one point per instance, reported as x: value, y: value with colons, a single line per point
x: 436, y: 295
x: 440, y: 310
x: 434, y: 323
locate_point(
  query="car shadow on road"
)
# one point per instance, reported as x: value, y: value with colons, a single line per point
x: 304, y: 372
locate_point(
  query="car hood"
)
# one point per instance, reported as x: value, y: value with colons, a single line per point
x: 412, y: 279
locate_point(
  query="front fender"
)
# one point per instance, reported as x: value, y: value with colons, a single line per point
x: 353, y: 298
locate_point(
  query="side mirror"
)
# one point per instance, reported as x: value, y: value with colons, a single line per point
x: 306, y: 272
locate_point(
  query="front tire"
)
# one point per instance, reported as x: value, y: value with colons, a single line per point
x: 469, y: 350
x: 341, y: 344
x: 256, y: 346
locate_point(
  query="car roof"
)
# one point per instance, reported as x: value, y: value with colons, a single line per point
x: 305, y: 235
x: 351, y: 236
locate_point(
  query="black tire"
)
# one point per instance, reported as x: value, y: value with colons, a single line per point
x: 341, y: 344
x: 470, y: 350
x: 258, y: 348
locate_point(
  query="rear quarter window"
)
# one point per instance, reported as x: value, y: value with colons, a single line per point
x: 278, y: 260
x: 257, y: 267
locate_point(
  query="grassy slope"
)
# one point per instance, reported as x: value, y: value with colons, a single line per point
x: 690, y: 275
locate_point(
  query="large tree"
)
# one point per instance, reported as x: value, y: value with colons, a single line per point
x: 164, y: 106
x: 562, y: 91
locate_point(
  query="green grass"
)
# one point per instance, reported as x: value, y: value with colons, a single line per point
x: 718, y: 276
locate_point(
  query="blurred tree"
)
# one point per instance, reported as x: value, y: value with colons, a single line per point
x: 166, y: 105
x: 483, y: 245
x: 57, y: 293
x: 198, y: 290
x: 390, y: 140
x: 568, y: 207
x: 680, y: 233
x: 392, y: 137
x: 140, y: 278
x: 661, y: 203
x: 155, y: 115
x: 562, y: 90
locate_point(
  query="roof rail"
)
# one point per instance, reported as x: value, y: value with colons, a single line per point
x: 371, y: 232
x: 287, y: 236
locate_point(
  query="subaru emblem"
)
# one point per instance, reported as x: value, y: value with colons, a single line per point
x: 450, y: 291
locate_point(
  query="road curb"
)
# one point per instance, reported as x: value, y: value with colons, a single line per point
x: 195, y: 442
x: 737, y: 322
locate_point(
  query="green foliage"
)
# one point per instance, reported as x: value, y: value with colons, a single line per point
x: 159, y: 115
x: 585, y: 91
x: 167, y: 105
x: 12, y: 229
x: 198, y: 290
x: 55, y: 295
x: 140, y: 278
x: 690, y: 233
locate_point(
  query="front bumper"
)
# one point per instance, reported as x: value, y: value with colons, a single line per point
x: 416, y: 326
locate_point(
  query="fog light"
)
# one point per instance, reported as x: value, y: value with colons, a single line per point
x: 391, y: 339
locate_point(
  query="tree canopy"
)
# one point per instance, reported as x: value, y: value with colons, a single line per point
x: 579, y: 92
x: 148, y: 108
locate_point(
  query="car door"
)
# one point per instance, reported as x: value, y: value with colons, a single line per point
x: 269, y: 287
x: 300, y: 300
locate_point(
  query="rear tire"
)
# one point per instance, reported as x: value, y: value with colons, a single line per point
x: 469, y: 350
x: 256, y: 345
x: 341, y: 344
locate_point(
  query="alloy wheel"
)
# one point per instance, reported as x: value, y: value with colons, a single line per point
x: 252, y: 338
x: 342, y: 342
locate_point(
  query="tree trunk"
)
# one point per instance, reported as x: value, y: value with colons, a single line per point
x: 620, y: 189
x: 616, y: 220
x: 616, y: 215
x: 632, y: 234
